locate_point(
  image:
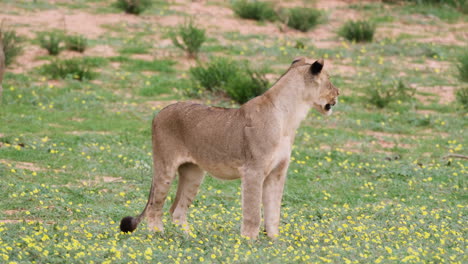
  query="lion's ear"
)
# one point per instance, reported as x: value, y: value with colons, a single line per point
x: 298, y: 61
x: 317, y: 67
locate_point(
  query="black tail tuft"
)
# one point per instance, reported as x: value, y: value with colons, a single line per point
x: 128, y: 224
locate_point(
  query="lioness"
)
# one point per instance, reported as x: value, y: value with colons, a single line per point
x: 252, y: 143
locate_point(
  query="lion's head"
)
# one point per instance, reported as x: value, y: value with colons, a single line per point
x: 319, y: 92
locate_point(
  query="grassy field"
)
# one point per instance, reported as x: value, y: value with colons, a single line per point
x: 365, y: 185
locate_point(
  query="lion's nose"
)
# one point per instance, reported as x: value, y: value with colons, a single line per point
x: 327, y: 107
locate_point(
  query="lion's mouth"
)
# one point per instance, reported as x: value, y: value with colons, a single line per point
x: 328, y: 107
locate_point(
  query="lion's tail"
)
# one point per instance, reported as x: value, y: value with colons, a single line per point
x: 128, y: 224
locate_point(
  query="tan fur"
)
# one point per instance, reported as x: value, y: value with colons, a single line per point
x: 252, y: 143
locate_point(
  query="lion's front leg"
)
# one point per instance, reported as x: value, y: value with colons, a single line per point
x: 251, y: 203
x: 272, y: 195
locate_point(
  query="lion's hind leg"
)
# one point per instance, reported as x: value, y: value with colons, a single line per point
x: 190, y: 178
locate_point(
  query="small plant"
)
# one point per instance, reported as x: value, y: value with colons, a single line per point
x: 133, y: 6
x: 76, y: 68
x: 76, y: 43
x: 191, y: 38
x: 303, y: 19
x: 462, y: 97
x: 463, y: 67
x: 359, y: 31
x: 237, y: 80
x: 381, y: 95
x: 300, y: 45
x: 256, y: 10
x: 11, y: 43
x: 51, y: 41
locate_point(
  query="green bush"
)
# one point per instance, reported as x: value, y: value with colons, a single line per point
x: 237, y: 80
x: 246, y: 85
x: 214, y: 75
x: 359, y: 31
x: 381, y: 95
x: 192, y: 38
x: 11, y: 45
x: 51, y: 41
x: 256, y: 10
x: 462, y: 97
x: 303, y: 19
x: 76, y: 68
x: 76, y: 43
x: 463, y: 67
x: 133, y: 6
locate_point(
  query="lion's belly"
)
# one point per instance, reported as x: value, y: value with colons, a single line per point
x: 222, y: 171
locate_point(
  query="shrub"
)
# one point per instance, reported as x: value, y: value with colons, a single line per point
x: 237, y: 80
x: 76, y: 68
x: 359, y: 31
x: 51, y: 41
x: 462, y: 97
x: 11, y: 45
x: 463, y: 67
x: 256, y: 10
x: 133, y: 6
x: 76, y: 43
x: 192, y: 38
x: 215, y: 74
x: 246, y: 85
x: 303, y: 19
x: 381, y: 95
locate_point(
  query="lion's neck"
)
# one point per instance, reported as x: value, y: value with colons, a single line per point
x: 286, y: 99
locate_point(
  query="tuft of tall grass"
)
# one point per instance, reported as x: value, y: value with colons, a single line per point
x: 381, y: 95
x: 257, y: 10
x: 463, y: 67
x: 75, y: 68
x: 303, y: 19
x: 359, y: 31
x: 191, y: 37
x: 76, y: 42
x: 135, y: 7
x: 11, y: 43
x: 51, y: 41
x: 462, y: 97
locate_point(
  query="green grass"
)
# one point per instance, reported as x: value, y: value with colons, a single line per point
x: 365, y: 185
x: 144, y: 65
